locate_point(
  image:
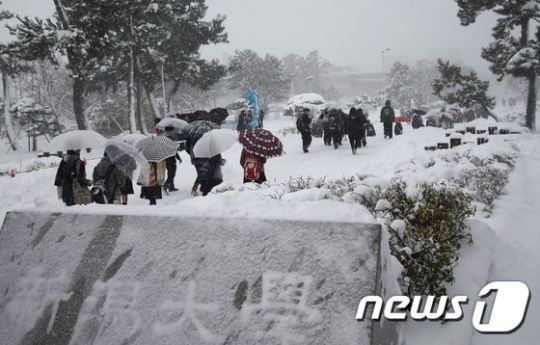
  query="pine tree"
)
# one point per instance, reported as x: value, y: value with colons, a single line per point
x: 77, y: 32
x: 400, y: 85
x: 38, y: 120
x: 264, y: 75
x: 514, y: 50
x: 107, y: 42
x: 466, y: 90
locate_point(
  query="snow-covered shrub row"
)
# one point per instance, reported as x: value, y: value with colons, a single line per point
x: 484, y: 178
x: 428, y: 226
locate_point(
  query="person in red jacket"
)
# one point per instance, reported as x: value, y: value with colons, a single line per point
x: 253, y: 167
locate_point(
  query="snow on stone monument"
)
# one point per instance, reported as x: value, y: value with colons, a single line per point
x: 97, y: 280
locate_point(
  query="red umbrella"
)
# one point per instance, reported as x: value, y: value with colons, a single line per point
x: 261, y: 142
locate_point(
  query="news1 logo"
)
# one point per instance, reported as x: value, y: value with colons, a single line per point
x: 507, y: 311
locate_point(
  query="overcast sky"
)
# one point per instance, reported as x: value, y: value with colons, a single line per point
x: 346, y: 32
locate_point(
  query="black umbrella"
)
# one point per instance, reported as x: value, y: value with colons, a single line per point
x: 419, y: 112
x: 195, y: 130
x: 157, y: 148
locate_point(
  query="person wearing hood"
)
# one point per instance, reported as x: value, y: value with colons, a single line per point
x: 388, y: 116
x: 71, y: 180
x: 111, y: 185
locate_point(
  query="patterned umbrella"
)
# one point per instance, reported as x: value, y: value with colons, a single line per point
x: 195, y: 130
x: 261, y: 142
x: 157, y: 149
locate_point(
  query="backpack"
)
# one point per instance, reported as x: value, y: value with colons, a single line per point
x: 81, y: 194
x: 370, y: 130
x: 252, y: 168
x: 387, y: 115
x: 398, y: 129
x: 99, y: 190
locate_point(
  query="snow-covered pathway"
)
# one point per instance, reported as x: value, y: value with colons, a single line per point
x: 516, y: 222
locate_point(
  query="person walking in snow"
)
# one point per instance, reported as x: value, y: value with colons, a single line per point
x: 152, y: 191
x: 334, y: 128
x: 111, y: 186
x: 323, y: 118
x: 398, y: 128
x: 244, y: 119
x: 417, y: 121
x: 171, y: 164
x: 355, y: 126
x: 388, y: 116
x: 253, y: 166
x: 303, y: 124
x: 71, y: 180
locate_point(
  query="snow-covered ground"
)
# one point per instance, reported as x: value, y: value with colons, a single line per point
x: 515, y: 216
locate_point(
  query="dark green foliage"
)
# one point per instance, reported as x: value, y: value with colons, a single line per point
x: 99, y: 38
x: 466, y: 90
x: 435, y: 228
x: 516, y: 47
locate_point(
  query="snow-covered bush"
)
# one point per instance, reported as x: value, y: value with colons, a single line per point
x: 487, y: 179
x: 427, y: 228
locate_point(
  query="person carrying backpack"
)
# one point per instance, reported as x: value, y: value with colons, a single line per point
x: 109, y: 182
x: 388, y: 117
x: 303, y: 124
x: 253, y: 167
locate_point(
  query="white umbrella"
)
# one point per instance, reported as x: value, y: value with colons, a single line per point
x: 129, y: 160
x: 215, y: 142
x: 76, y: 140
x: 177, y: 124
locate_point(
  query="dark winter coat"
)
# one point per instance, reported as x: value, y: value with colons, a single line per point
x: 65, y: 175
x: 243, y: 121
x: 356, y: 122
x: 111, y: 178
x: 388, y: 115
x: 303, y: 123
x: 398, y: 129
x: 417, y: 122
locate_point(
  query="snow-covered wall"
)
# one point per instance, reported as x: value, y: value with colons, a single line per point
x: 98, y: 279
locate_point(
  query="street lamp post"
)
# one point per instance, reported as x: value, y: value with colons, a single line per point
x: 384, y: 50
x: 292, y: 83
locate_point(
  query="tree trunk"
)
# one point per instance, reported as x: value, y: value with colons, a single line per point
x: 489, y: 112
x: 530, y: 117
x: 153, y: 104
x: 78, y: 102
x: 7, y: 115
x: 141, y: 119
x: 170, y: 96
x: 131, y: 94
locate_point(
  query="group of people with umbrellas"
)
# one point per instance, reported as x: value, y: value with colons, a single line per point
x: 151, y: 161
